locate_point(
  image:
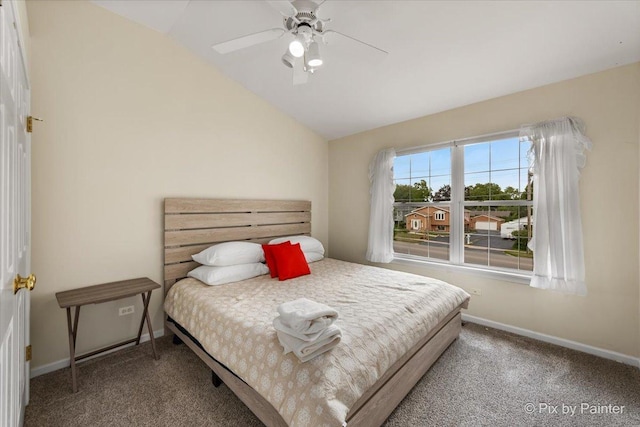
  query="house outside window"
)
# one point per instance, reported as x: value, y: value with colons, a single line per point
x: 465, y: 192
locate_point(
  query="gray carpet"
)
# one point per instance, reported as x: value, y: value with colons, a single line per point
x: 486, y: 377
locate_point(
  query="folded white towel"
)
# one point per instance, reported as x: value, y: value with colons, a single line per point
x: 306, y: 316
x: 280, y: 325
x: 307, y: 350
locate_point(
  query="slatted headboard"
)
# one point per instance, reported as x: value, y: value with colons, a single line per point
x: 191, y: 225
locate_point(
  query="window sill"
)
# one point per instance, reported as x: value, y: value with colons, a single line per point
x: 507, y: 276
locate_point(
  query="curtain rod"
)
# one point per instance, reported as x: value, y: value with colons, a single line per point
x: 461, y: 141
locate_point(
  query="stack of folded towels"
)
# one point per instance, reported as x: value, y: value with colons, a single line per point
x: 306, y: 328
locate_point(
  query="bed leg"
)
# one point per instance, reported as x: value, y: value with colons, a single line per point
x: 217, y: 382
x: 176, y: 340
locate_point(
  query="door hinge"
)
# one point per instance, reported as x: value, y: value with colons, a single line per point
x: 27, y: 353
x: 30, y: 120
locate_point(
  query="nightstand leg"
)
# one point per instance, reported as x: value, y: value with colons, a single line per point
x: 145, y: 316
x: 144, y: 309
x: 75, y: 325
x: 73, y: 329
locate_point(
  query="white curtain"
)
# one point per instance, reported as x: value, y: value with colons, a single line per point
x: 558, y: 154
x: 381, y: 215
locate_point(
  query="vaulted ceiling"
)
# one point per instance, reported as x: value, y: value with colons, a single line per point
x: 442, y: 54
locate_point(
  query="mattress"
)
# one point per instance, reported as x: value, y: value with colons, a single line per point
x: 383, y: 314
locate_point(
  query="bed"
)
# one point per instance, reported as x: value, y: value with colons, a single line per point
x: 395, y: 325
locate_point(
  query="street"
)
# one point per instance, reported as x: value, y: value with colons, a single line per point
x: 479, y: 256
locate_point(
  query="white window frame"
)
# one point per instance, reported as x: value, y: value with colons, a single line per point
x: 456, y: 219
x: 414, y: 222
x: 439, y: 216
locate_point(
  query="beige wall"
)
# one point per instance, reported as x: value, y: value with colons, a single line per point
x: 609, y: 103
x: 131, y: 118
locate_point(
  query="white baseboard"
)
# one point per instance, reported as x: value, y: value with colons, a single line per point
x: 574, y: 345
x: 64, y: 363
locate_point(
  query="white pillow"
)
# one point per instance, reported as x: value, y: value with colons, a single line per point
x: 229, y: 274
x: 312, y: 248
x: 312, y: 256
x: 230, y: 253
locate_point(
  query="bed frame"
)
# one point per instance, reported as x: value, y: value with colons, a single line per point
x: 191, y: 225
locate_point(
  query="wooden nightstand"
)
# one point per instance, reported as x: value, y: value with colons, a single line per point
x: 102, y: 293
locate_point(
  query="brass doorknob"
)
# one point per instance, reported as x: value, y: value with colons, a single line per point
x: 24, y: 282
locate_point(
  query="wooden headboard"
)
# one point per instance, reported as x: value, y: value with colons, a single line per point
x: 191, y: 225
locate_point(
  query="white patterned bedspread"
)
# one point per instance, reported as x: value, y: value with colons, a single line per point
x: 383, y: 314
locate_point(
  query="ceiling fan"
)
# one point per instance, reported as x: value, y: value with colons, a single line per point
x: 301, y: 22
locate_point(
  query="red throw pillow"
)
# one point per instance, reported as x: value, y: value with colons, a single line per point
x: 290, y: 261
x: 271, y: 261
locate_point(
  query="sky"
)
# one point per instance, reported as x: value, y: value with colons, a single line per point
x: 503, y: 162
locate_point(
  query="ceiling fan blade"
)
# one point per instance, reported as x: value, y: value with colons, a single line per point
x: 329, y: 32
x: 300, y: 76
x: 248, y: 40
x: 284, y: 7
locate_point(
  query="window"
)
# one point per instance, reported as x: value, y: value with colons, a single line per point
x: 476, y: 200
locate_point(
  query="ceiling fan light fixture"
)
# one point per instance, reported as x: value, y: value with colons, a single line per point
x: 288, y: 59
x: 296, y: 47
x: 312, y: 57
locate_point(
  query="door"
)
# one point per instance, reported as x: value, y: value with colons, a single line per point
x: 15, y: 164
x: 487, y: 225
